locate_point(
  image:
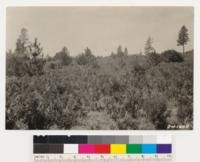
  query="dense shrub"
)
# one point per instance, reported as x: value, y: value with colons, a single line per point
x: 15, y: 65
x: 63, y: 57
x: 138, y: 70
x: 156, y: 110
x: 31, y: 63
x: 80, y: 96
x: 172, y: 56
x: 20, y: 66
x: 96, y: 120
x: 52, y: 65
x: 153, y: 59
x: 35, y: 66
x: 87, y: 58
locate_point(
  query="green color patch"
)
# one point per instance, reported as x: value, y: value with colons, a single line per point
x: 133, y: 148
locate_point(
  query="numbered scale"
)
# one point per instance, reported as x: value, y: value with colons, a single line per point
x: 102, y: 158
x: 102, y: 149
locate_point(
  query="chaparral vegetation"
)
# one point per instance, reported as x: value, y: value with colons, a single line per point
x: 121, y: 91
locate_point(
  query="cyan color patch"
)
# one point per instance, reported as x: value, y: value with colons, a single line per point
x: 149, y: 148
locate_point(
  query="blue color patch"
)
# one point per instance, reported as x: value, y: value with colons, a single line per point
x: 149, y: 148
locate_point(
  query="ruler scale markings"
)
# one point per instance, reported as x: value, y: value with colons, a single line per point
x: 97, y: 158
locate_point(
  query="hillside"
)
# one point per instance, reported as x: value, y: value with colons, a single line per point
x: 134, y: 92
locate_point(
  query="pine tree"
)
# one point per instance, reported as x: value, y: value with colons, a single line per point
x: 35, y: 49
x: 126, y: 52
x: 21, y: 44
x: 36, y: 63
x: 183, y: 37
x: 88, y: 52
x: 148, y: 46
x: 63, y: 56
x: 119, y: 51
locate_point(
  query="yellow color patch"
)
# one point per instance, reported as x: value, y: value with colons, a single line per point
x: 118, y: 148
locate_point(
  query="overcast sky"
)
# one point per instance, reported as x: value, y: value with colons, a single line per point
x: 102, y: 29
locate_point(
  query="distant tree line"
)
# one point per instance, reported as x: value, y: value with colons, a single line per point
x: 28, y: 57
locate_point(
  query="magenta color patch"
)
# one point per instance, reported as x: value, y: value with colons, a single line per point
x: 86, y: 149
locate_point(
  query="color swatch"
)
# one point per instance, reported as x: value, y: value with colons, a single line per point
x: 133, y: 148
x: 102, y: 145
x: 118, y: 148
x: 149, y: 148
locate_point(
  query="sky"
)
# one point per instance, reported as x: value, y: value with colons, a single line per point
x: 102, y: 29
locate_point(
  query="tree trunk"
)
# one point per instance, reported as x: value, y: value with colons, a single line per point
x: 183, y: 49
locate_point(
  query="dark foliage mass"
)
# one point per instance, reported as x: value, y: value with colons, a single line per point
x: 87, y: 58
x: 172, y: 56
x: 154, y: 91
x: 63, y: 57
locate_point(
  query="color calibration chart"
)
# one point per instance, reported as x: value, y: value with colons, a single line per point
x: 102, y: 148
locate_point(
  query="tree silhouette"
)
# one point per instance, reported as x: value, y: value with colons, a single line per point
x: 148, y: 46
x: 126, y: 52
x: 36, y: 63
x: 35, y: 49
x: 119, y: 51
x: 183, y: 37
x: 88, y: 52
x: 86, y: 58
x: 21, y: 44
x: 63, y: 56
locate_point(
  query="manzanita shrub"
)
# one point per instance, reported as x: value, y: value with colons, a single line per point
x: 79, y: 95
